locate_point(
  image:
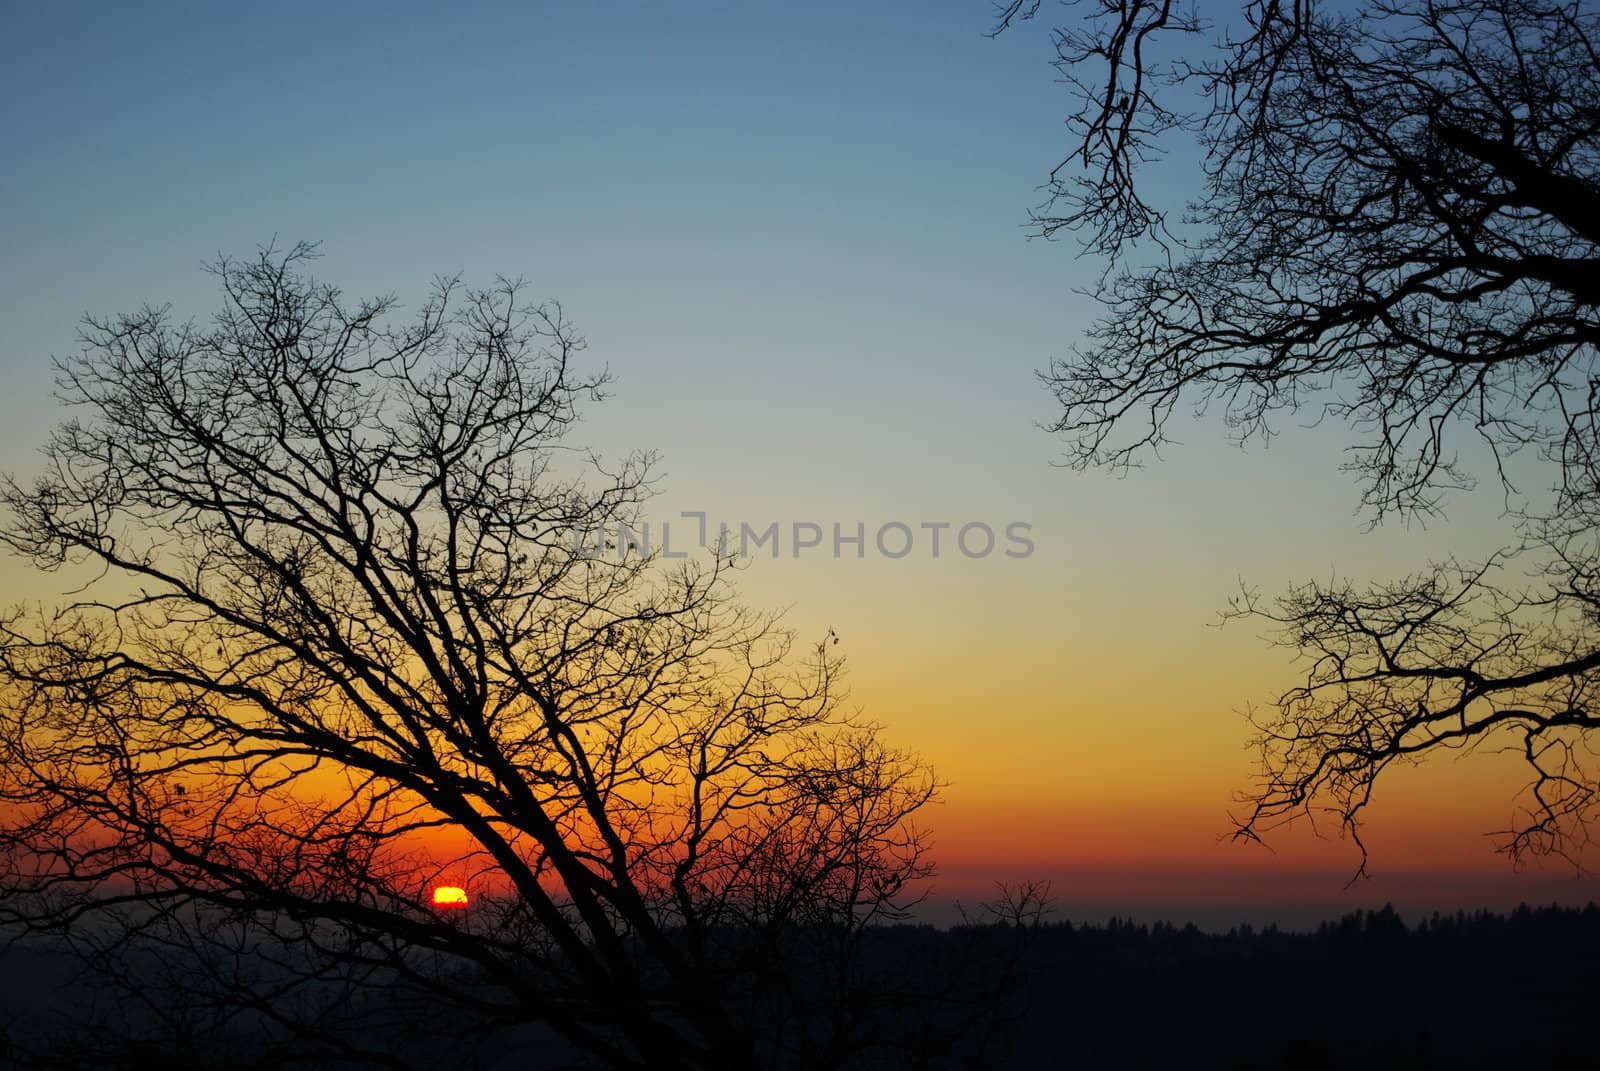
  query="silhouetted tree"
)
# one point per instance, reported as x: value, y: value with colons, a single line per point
x: 339, y: 641
x: 1397, y: 228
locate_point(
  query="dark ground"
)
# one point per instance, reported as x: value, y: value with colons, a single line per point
x: 1464, y: 991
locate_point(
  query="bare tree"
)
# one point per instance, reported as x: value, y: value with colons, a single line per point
x: 1398, y: 230
x: 340, y: 642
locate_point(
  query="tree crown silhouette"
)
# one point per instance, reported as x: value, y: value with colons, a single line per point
x: 341, y: 644
x: 1397, y: 230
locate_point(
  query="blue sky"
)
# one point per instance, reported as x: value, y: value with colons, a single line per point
x: 734, y: 202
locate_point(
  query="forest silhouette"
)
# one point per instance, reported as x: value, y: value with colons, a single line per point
x: 1467, y: 990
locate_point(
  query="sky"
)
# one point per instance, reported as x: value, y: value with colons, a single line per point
x: 797, y: 236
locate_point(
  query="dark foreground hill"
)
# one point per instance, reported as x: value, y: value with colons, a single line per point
x: 1479, y: 991
x: 1464, y: 991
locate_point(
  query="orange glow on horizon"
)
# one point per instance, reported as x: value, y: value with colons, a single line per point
x: 449, y: 896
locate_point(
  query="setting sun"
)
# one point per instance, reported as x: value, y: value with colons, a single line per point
x: 449, y: 896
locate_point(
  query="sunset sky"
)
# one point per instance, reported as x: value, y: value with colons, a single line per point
x: 797, y: 235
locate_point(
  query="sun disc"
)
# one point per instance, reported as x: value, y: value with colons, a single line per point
x: 449, y: 896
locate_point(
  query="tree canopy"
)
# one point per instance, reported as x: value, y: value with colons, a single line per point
x: 1396, y: 228
x: 339, y: 643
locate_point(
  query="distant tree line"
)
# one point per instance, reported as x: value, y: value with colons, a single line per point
x: 1367, y: 990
